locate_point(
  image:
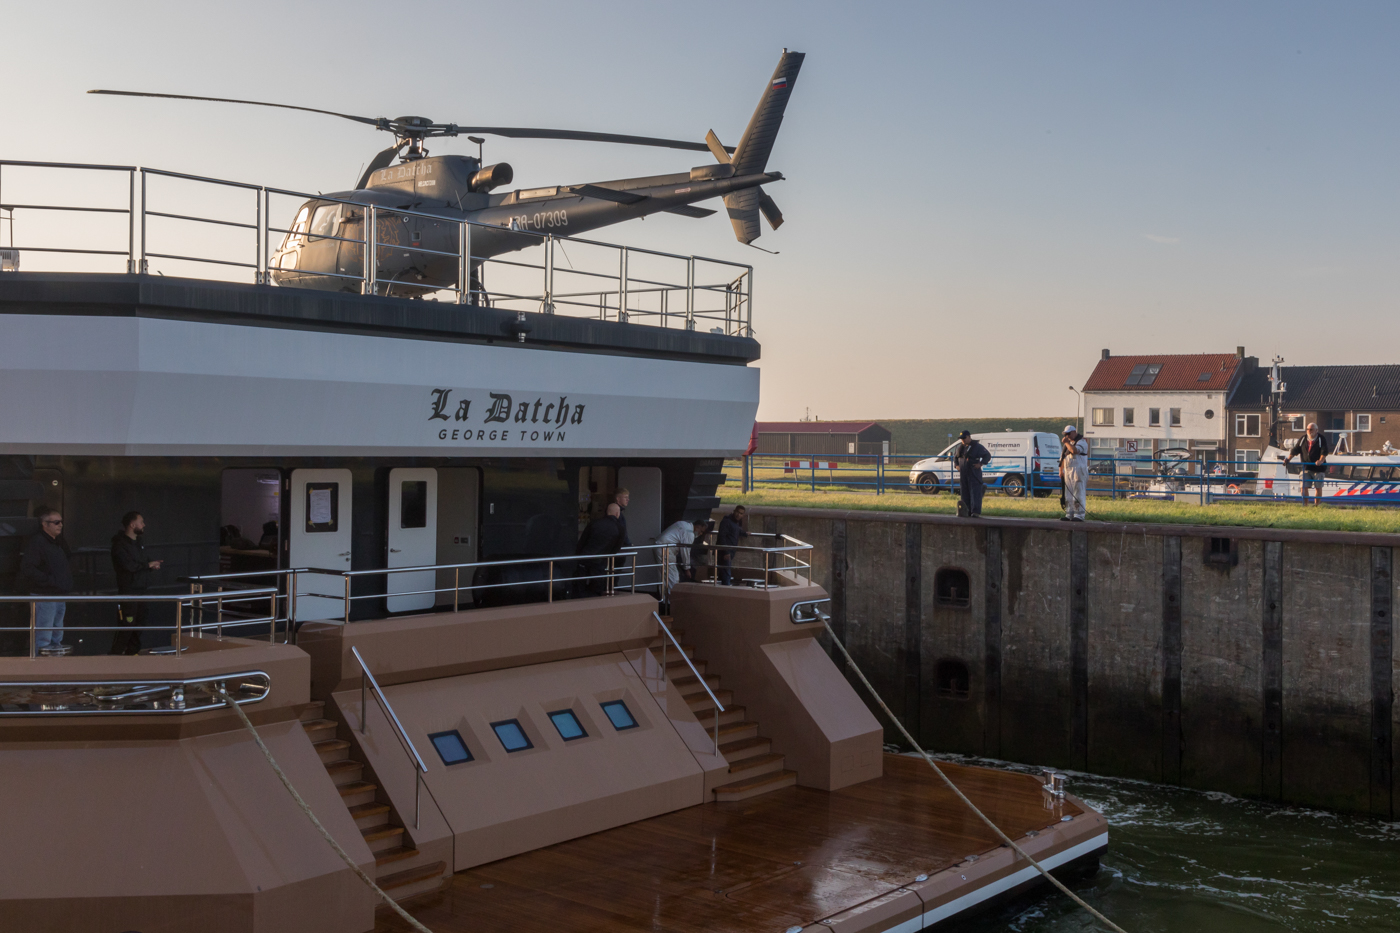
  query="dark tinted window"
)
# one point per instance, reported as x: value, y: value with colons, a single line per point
x: 450, y: 747
x: 512, y: 736
x: 619, y: 715
x: 413, y: 504
x: 568, y: 725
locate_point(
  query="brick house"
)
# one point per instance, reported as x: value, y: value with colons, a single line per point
x: 1362, y: 401
x: 1135, y: 407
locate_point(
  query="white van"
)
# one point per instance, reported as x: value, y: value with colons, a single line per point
x: 1017, y: 456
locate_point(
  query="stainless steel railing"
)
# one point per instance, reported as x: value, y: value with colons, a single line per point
x: 776, y: 565
x: 612, y: 282
x: 148, y: 695
x: 419, y: 767
x: 188, y: 610
x: 719, y: 707
x: 809, y: 610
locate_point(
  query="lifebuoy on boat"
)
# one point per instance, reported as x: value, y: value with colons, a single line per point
x: 1232, y: 489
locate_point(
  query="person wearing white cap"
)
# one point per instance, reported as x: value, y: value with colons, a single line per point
x: 1074, y: 473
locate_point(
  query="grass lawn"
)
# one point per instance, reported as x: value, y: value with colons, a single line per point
x: 1252, y: 514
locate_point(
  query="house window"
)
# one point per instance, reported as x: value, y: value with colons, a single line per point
x: 1175, y: 414
x: 1246, y: 461
x: 1363, y: 422
x: 1102, y: 417
x: 1154, y: 417
x: 1127, y: 417
x: 1246, y: 425
x: 1143, y: 374
x: 1295, y: 423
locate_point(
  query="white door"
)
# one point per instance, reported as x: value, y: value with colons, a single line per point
x: 643, y: 516
x: 320, y: 537
x: 413, y: 515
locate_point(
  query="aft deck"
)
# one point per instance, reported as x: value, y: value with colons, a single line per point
x: 785, y: 860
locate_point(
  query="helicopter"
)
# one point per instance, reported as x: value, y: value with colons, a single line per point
x: 324, y: 245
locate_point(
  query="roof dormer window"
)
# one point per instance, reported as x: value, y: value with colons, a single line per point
x: 1143, y: 374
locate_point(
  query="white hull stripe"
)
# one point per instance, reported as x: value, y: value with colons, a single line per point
x: 1000, y: 886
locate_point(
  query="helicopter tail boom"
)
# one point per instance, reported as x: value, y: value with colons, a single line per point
x: 751, y: 155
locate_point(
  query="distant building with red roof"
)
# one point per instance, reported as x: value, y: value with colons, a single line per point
x: 823, y: 438
x: 1137, y: 406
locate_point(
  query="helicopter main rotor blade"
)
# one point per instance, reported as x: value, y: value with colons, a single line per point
x: 527, y: 132
x: 381, y: 123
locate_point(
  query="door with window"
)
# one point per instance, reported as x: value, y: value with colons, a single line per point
x: 319, y: 536
x: 413, y: 510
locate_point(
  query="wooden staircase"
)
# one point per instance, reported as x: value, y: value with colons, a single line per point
x: 753, y: 766
x: 399, y: 868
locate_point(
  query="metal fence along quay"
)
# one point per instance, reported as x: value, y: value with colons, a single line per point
x: 94, y: 218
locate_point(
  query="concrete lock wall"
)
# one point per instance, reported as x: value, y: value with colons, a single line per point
x: 1258, y: 662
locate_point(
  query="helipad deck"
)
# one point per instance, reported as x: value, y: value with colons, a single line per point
x: 787, y: 859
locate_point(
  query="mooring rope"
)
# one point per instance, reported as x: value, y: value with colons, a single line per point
x: 345, y: 856
x: 954, y: 788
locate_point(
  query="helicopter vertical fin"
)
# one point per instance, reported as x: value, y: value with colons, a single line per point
x: 751, y: 155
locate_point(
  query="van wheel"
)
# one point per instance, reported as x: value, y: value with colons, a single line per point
x: 1013, y: 486
x: 928, y: 484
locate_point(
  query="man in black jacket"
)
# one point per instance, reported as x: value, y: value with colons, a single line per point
x: 603, y: 536
x: 44, y: 571
x: 133, y: 571
x: 731, y: 529
x: 969, y: 457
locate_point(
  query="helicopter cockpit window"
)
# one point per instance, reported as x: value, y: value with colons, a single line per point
x: 323, y: 222
x: 298, y: 230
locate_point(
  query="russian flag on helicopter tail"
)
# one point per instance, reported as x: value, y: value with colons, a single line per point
x: 779, y: 83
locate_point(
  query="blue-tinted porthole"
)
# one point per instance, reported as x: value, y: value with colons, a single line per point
x: 619, y: 715
x: 512, y: 736
x: 450, y: 747
x: 568, y: 725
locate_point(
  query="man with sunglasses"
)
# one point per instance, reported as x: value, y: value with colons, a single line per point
x: 44, y: 570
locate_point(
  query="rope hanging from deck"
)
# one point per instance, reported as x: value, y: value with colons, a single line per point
x: 850, y: 662
x: 345, y: 856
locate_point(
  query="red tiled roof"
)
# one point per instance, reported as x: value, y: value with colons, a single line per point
x: 814, y: 427
x: 1179, y: 372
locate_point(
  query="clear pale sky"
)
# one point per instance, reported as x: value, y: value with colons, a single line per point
x: 980, y: 195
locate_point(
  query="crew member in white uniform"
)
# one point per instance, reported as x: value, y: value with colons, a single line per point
x: 673, y: 546
x: 1074, y: 472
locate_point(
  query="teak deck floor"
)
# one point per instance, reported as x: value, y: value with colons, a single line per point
x: 786, y: 858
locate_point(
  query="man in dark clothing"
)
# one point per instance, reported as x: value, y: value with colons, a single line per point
x: 731, y: 529
x: 1312, y: 449
x: 602, y: 536
x: 622, y: 497
x: 133, y: 572
x: 700, y: 552
x: 44, y: 571
x: 968, y: 459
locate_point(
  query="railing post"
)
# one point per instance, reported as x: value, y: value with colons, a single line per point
x: 690, y: 293
x: 33, y: 629
x: 257, y: 237
x: 748, y: 307
x: 417, y: 792
x: 266, y: 221
x: 622, y: 286
x: 364, y: 689
x: 347, y: 600
x: 551, y: 580
x: 456, y: 587
x: 178, y: 624
x: 464, y: 262
x: 130, y: 223
x: 143, y: 267
x: 548, y: 306
x: 369, y: 286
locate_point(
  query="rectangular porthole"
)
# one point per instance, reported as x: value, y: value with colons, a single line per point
x: 512, y: 736
x: 619, y: 715
x: 450, y: 747
x: 568, y: 725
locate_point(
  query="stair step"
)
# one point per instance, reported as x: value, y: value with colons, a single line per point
x: 742, y: 729
x: 331, y: 749
x: 382, y: 838
x: 758, y: 764
x: 412, y: 881
x: 740, y: 749
x: 370, y: 815
x: 678, y: 668
x: 701, y: 702
x: 753, y: 786
x: 394, y: 855
x: 314, y: 710
x: 687, y: 650
x: 345, y: 771
x: 690, y: 684
x: 325, y: 726
x: 356, y: 787
x: 730, y: 714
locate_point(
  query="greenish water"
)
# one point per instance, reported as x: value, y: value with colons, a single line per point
x: 1182, y: 861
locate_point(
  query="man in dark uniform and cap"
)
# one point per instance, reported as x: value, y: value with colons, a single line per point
x: 968, y: 458
x: 603, y: 536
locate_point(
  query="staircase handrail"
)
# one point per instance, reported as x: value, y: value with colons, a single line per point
x: 719, y: 707
x: 400, y: 733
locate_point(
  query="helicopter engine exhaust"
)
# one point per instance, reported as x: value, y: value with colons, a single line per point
x: 492, y: 176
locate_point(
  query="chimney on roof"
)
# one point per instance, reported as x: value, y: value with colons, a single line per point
x: 1239, y: 353
x: 1105, y: 355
